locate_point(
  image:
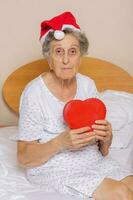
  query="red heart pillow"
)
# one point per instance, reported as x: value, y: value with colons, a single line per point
x: 78, y: 113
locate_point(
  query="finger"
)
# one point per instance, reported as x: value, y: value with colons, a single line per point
x: 82, y: 136
x: 93, y: 141
x: 85, y: 135
x: 100, y: 127
x: 81, y: 130
x: 101, y: 138
x: 100, y: 133
x: 104, y: 122
x: 85, y: 140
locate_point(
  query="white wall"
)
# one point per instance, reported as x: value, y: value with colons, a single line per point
x: 107, y: 23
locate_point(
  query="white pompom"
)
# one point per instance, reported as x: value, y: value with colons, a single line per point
x: 59, y: 35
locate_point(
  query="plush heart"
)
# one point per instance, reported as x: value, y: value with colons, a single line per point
x: 78, y: 113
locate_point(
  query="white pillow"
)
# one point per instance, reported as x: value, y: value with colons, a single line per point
x: 122, y: 138
x: 116, y: 115
x: 120, y: 113
x: 119, y: 107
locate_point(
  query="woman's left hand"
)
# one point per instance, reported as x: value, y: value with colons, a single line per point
x: 103, y: 133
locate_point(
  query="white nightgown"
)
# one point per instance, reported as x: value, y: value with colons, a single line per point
x: 76, y: 173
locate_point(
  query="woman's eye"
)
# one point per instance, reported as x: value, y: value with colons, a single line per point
x: 72, y: 51
x: 59, y: 51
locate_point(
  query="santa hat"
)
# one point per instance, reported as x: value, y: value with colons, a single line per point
x: 58, y: 24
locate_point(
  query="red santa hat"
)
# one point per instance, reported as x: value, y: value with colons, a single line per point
x: 58, y: 24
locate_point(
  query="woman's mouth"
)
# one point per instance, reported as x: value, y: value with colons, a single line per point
x: 66, y: 68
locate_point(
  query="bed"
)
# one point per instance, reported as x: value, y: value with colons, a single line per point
x: 115, y: 88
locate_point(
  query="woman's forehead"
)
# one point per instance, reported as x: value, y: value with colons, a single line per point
x: 68, y: 41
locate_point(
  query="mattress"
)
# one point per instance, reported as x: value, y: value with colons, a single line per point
x: 13, y: 183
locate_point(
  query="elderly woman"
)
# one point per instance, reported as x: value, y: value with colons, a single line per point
x: 57, y: 158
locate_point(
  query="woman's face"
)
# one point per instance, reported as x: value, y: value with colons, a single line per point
x: 65, y: 57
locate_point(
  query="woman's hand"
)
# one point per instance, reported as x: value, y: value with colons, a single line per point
x: 75, y: 139
x: 103, y: 133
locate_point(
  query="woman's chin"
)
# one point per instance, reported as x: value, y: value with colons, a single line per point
x: 67, y: 75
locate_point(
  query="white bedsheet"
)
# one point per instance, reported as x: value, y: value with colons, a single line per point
x: 13, y: 183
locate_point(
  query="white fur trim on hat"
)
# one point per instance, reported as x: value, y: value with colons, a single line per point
x: 59, y: 34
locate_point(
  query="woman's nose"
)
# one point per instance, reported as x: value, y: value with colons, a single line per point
x: 65, y: 58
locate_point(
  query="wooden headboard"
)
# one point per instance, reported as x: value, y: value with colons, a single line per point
x: 105, y: 74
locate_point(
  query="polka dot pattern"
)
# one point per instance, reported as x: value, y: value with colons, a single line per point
x: 76, y: 173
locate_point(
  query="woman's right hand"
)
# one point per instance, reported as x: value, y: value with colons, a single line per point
x: 74, y: 139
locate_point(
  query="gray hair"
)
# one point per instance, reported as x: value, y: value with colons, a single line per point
x: 81, y: 37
